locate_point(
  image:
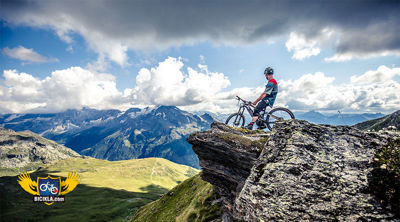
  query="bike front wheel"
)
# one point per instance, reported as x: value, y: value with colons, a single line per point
x: 278, y: 114
x: 235, y: 120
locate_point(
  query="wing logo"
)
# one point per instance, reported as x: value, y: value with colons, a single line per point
x: 48, y: 189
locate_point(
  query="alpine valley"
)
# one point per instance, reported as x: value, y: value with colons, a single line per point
x: 115, y: 135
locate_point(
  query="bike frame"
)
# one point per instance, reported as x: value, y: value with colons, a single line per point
x: 249, y: 108
x: 243, y: 107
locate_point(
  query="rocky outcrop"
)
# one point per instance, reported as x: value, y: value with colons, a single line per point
x: 20, y: 149
x: 227, y: 156
x: 303, y: 172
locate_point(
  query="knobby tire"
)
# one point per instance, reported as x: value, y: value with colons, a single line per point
x: 233, y: 117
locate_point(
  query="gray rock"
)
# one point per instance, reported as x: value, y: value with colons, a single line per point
x: 226, y: 156
x: 304, y: 172
x: 20, y: 149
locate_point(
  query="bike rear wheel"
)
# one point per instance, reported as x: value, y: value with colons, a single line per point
x: 278, y: 114
x: 235, y: 120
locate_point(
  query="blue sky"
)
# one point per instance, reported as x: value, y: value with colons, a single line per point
x: 57, y: 55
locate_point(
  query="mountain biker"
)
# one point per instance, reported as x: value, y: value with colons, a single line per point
x: 267, y: 98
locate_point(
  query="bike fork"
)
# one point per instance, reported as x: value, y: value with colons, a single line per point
x: 236, y: 120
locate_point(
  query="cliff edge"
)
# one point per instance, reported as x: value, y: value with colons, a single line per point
x: 299, y: 171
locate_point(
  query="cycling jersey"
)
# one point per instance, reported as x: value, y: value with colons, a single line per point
x: 271, y: 89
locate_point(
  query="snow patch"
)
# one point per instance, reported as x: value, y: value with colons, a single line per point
x: 178, y: 132
x: 13, y: 116
x: 141, y: 112
x: 137, y: 132
x: 100, y: 120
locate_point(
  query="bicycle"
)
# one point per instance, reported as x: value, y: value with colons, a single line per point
x: 276, y: 114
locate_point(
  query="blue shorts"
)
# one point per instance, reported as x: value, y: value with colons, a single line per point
x: 260, y: 107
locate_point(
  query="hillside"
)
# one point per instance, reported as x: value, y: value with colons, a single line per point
x: 20, y: 151
x: 386, y: 122
x: 192, y: 200
x: 108, y: 190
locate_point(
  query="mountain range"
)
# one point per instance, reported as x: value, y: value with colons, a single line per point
x: 337, y: 119
x: 115, y: 135
x: 139, y: 133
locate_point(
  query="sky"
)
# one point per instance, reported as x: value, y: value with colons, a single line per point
x: 328, y: 56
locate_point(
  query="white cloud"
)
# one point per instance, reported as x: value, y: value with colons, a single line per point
x: 25, y: 54
x: 340, y: 58
x: 70, y: 49
x: 373, y: 91
x: 167, y: 84
x: 100, y: 65
x: 170, y: 83
x: 202, y: 59
x: 381, y: 75
x: 302, y: 47
x: 305, y: 47
x: 347, y: 56
x: 64, y: 89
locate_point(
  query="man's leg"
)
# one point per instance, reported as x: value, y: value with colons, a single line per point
x: 251, y: 124
x: 254, y: 119
x: 260, y: 106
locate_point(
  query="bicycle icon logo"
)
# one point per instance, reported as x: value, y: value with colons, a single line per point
x: 50, y: 187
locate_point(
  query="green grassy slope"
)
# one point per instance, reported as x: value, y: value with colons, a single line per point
x: 191, y: 200
x: 108, y: 190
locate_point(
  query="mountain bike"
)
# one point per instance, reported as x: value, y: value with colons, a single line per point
x: 265, y: 120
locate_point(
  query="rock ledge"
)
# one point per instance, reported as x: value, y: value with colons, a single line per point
x: 303, y: 172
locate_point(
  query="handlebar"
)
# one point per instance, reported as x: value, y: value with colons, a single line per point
x: 245, y: 102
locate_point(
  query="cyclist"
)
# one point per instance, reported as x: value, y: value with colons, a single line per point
x: 267, y: 98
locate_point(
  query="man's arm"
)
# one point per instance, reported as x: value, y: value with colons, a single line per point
x: 260, y: 98
x: 268, y: 90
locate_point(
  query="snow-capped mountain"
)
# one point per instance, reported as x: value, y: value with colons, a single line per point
x: 56, y: 123
x: 114, y: 135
